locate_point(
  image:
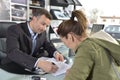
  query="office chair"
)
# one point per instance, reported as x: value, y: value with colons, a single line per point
x: 3, y: 31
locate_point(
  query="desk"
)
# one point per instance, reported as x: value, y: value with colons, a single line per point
x: 4, y: 75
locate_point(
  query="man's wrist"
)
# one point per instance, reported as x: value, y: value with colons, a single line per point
x: 37, y: 62
x: 55, y: 53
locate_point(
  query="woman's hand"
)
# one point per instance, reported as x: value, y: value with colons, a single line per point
x: 59, y: 57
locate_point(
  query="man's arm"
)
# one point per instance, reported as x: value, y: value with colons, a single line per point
x: 13, y: 49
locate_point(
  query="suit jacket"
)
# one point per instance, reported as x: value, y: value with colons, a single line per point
x: 19, y: 46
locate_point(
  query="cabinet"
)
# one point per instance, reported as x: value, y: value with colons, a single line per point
x: 18, y: 10
x: 60, y: 10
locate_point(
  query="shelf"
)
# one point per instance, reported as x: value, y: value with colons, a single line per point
x: 19, y: 18
x: 62, y: 3
x: 24, y: 5
x: 19, y: 10
x: 59, y: 15
x: 35, y: 6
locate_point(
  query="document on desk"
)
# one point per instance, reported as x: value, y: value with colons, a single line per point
x: 62, y: 66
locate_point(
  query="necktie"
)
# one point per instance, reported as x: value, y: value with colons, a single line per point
x: 34, y: 42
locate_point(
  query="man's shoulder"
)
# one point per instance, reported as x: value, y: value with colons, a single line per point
x: 17, y: 26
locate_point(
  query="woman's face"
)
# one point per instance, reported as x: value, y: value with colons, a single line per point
x: 40, y: 24
x: 68, y: 41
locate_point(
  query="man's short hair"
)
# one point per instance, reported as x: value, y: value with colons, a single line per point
x: 42, y: 11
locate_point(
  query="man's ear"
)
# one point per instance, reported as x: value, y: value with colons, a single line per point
x: 34, y: 18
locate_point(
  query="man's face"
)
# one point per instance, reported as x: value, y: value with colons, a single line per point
x: 40, y: 24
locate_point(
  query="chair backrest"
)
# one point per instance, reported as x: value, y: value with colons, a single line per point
x: 3, y: 28
x: 3, y: 32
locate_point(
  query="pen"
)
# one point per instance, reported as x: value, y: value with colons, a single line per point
x: 53, y: 63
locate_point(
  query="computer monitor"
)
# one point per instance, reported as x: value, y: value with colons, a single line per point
x: 96, y: 28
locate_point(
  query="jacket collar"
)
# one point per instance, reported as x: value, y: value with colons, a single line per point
x: 24, y: 26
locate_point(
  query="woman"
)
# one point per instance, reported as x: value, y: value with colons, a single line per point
x: 92, y: 60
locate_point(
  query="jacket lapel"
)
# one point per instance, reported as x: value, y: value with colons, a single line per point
x: 24, y: 27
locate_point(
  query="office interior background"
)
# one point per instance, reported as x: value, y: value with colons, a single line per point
x: 100, y: 17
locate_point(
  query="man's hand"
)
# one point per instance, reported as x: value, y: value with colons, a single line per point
x: 59, y: 57
x: 47, y: 66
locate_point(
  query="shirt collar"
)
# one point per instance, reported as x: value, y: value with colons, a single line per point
x: 31, y: 32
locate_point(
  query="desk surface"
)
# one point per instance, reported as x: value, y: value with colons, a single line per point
x: 4, y: 75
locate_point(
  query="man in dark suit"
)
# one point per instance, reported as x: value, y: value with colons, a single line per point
x: 21, y: 50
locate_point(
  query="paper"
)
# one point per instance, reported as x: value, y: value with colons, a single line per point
x: 43, y: 79
x: 62, y: 66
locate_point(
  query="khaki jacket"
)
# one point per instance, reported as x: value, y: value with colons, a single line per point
x: 92, y: 61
